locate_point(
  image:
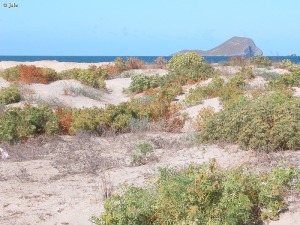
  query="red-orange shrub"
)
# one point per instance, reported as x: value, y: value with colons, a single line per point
x: 113, y: 70
x: 134, y: 63
x: 65, y: 120
x: 32, y: 74
x: 235, y: 61
x: 161, y: 63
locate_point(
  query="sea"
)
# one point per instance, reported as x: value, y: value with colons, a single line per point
x: 147, y: 59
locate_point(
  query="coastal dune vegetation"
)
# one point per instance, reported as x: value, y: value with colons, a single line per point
x: 262, y: 118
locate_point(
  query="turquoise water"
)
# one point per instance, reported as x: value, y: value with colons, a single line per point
x: 147, y: 59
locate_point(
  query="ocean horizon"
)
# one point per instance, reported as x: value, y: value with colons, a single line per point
x: 147, y: 59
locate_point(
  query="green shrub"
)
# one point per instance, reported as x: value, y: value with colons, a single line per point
x: 195, y: 96
x: 10, y: 95
x: 246, y: 72
x: 188, y: 67
x: 139, y: 156
x: 288, y: 80
x: 232, y: 90
x: 89, y: 119
x: 17, y: 124
x: 12, y: 73
x: 184, y: 61
x: 203, y: 194
x: 142, y: 82
x: 94, y: 76
x: 287, y: 64
x: 264, y: 123
x: 50, y: 74
x: 260, y: 61
x: 120, y: 64
x: 268, y: 76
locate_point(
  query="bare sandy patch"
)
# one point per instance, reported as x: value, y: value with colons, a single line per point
x: 57, y: 66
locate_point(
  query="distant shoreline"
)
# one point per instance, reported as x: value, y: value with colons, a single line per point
x: 106, y: 59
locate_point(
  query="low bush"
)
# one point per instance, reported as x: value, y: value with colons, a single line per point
x: 82, y: 91
x: 142, y: 82
x: 232, y: 90
x: 18, y: 124
x: 196, y: 95
x: 65, y: 119
x: 93, y: 76
x: 260, y: 61
x: 33, y: 74
x: 160, y: 63
x: 288, y: 65
x: 139, y: 156
x: 203, y: 194
x: 89, y: 119
x: 119, y: 118
x: 29, y: 74
x: 236, y: 61
x: 184, y: 61
x: 268, y: 76
x: 267, y: 123
x: 134, y: 63
x: 12, y: 73
x: 10, y: 95
x: 246, y: 72
x: 287, y: 80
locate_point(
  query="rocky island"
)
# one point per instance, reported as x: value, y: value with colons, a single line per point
x: 235, y: 47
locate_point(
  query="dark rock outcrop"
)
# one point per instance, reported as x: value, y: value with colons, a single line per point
x: 234, y: 47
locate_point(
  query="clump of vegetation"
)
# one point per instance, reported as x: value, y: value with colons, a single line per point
x: 286, y: 80
x: 228, y: 92
x: 134, y: 63
x: 117, y: 67
x: 260, y: 61
x: 93, y: 76
x: 30, y: 74
x: 12, y: 73
x: 268, y: 76
x: 188, y: 67
x: 160, y: 62
x: 65, y: 120
x: 139, y: 156
x: 246, y: 72
x: 232, y: 90
x: 203, y: 194
x: 267, y: 123
x: 82, y: 91
x: 151, y: 107
x: 184, y: 61
x: 89, y: 119
x: 287, y: 64
x: 10, y: 95
x: 142, y: 82
x: 196, y: 95
x: 18, y: 124
x: 237, y: 61
x: 203, y: 117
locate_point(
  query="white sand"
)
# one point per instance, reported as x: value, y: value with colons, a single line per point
x: 58, y: 66
x: 34, y: 192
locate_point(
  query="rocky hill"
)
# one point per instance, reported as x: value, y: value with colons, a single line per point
x: 236, y: 46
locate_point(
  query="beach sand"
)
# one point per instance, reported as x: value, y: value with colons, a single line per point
x: 62, y: 181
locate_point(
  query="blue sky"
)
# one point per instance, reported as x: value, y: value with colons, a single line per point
x: 139, y: 27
